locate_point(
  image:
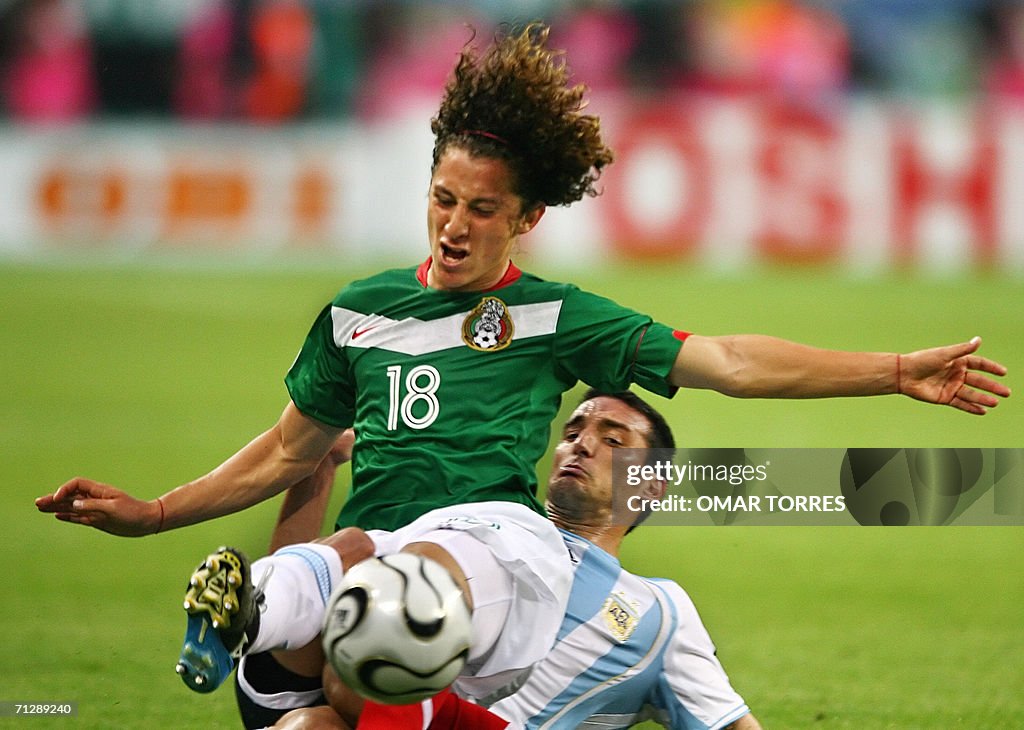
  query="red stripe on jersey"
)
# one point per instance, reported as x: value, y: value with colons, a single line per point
x: 421, y: 271
x: 681, y: 335
x: 511, y: 275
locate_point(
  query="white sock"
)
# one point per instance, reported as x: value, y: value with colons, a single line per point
x: 298, y: 581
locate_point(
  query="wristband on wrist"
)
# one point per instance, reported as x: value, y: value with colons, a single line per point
x: 160, y: 526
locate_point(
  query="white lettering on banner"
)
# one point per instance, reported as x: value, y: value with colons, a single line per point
x: 803, y: 213
x: 945, y: 172
x: 658, y: 148
x: 942, y: 166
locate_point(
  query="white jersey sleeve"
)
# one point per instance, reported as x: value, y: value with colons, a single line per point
x: 693, y: 689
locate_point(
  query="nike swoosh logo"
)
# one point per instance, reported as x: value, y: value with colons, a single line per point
x: 359, y: 333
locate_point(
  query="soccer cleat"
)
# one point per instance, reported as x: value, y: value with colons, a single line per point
x: 223, y: 618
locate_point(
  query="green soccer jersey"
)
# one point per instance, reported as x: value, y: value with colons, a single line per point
x: 452, y: 394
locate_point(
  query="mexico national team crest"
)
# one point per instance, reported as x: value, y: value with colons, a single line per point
x: 621, y: 616
x: 488, y: 327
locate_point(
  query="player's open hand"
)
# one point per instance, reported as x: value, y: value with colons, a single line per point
x: 102, y: 506
x: 952, y: 375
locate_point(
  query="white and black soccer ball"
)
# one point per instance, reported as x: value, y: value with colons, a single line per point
x: 486, y: 335
x: 397, y: 629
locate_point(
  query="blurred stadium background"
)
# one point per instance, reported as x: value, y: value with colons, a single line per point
x: 186, y: 182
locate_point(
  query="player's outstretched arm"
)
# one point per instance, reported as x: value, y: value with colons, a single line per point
x: 269, y: 464
x: 757, y: 366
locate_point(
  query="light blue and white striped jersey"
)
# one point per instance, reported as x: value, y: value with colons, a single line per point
x: 629, y: 649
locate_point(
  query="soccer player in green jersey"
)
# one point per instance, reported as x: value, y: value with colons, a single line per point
x: 465, y: 356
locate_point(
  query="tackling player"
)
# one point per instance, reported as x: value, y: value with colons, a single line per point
x: 629, y: 648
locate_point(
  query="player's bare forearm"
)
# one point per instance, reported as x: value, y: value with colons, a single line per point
x: 269, y: 464
x: 756, y: 366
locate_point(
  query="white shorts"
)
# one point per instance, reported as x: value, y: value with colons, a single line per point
x: 524, y: 571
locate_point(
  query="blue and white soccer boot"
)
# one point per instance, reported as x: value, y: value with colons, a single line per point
x: 223, y: 617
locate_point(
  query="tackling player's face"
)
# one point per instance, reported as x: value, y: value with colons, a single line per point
x: 580, y: 487
x: 473, y: 221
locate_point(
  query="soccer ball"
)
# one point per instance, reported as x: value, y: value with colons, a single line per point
x: 486, y: 336
x: 397, y: 629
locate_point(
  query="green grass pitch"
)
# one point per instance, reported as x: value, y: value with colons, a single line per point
x: 146, y: 377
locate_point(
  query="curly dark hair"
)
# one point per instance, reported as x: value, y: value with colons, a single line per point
x: 514, y: 103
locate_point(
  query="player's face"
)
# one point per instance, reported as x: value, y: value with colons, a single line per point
x: 473, y: 221
x: 580, y: 486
